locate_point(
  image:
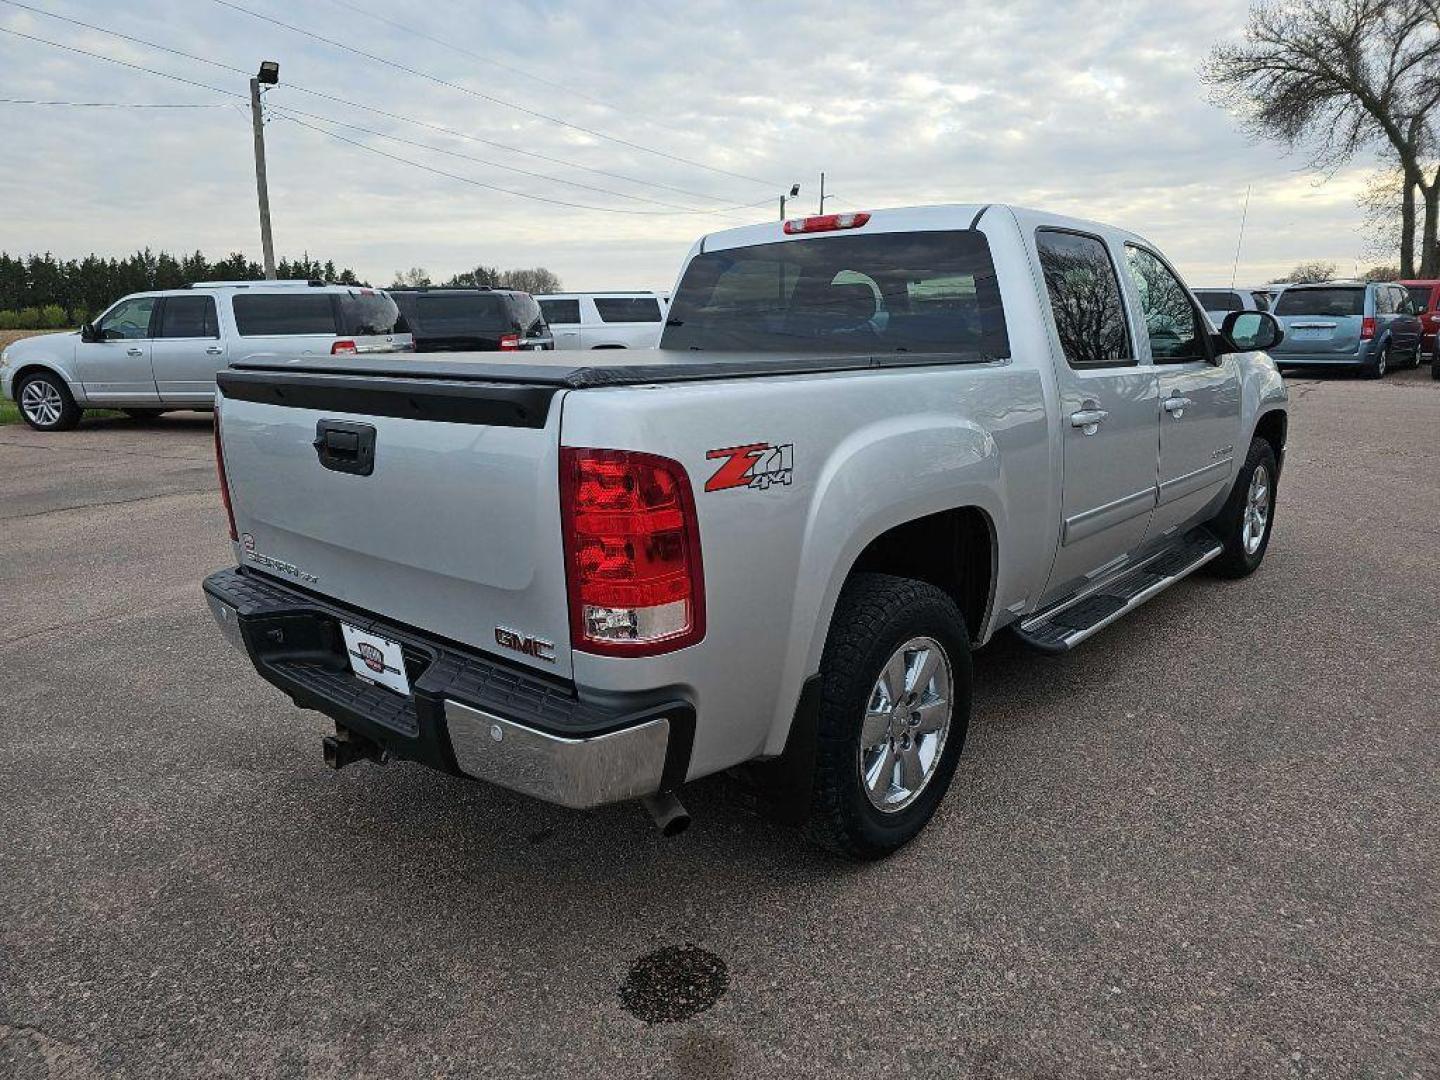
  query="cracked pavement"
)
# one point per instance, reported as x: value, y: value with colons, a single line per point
x: 1202, y: 845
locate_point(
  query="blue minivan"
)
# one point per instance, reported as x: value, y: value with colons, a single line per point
x: 1368, y: 326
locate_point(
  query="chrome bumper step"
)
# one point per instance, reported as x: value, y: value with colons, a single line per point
x: 1060, y: 627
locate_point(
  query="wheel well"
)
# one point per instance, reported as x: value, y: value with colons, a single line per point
x: 34, y: 369
x: 1271, y: 427
x: 951, y: 550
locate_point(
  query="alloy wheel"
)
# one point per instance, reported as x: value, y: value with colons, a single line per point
x: 41, y: 403
x: 907, y: 720
x: 1256, y: 515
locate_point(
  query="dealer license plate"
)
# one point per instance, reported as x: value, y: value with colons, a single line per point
x: 376, y: 659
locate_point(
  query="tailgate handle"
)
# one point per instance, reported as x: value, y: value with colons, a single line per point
x: 345, y: 446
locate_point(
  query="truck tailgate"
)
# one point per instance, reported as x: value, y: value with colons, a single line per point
x: 455, y: 525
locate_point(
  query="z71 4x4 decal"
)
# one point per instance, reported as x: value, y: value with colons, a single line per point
x: 755, y: 465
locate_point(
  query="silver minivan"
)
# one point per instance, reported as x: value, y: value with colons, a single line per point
x: 1367, y: 326
x: 153, y: 351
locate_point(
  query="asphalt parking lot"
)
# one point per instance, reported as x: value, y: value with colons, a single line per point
x: 1203, y: 845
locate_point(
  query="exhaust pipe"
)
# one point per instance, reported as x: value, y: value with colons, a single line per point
x: 345, y: 747
x: 670, y: 817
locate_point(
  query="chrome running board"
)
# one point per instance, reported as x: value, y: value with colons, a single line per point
x: 1060, y: 627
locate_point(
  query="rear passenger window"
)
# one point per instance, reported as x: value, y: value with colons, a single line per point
x: 1171, y: 321
x: 561, y: 311
x: 279, y: 315
x: 189, y: 317
x: 628, y: 308
x: 1085, y: 298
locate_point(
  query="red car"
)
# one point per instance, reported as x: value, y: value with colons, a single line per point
x: 1425, y: 298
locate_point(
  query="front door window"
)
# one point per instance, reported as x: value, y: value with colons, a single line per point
x: 127, y: 319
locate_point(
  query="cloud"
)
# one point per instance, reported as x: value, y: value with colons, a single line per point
x: 1086, y: 108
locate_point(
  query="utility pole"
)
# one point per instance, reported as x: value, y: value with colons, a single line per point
x: 822, y: 194
x: 794, y: 190
x: 270, y: 75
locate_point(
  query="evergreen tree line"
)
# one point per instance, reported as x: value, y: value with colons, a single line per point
x: 41, y: 291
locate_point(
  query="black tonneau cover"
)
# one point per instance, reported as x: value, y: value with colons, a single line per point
x: 475, y: 388
x: 628, y: 367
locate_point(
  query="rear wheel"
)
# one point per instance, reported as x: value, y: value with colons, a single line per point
x: 46, y: 403
x: 1244, y: 524
x: 1380, y: 365
x: 895, y: 706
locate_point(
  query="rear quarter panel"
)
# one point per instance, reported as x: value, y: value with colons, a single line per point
x: 868, y: 450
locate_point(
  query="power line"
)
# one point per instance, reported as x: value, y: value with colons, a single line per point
x: 323, y: 96
x: 114, y: 104
x: 407, y: 28
x: 394, y: 157
x: 474, y: 182
x: 289, y: 113
x: 490, y: 97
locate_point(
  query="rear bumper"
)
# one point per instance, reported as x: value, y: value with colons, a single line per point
x: 467, y: 714
x: 1299, y: 359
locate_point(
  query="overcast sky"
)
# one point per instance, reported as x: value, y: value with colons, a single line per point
x: 1085, y: 108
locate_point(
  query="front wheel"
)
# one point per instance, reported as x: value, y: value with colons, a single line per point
x: 1244, y: 523
x: 47, y: 404
x: 894, y: 711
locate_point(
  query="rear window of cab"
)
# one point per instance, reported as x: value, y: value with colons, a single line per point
x: 904, y: 292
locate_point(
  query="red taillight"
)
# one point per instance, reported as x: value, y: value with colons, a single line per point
x: 343, y: 347
x: 632, y: 553
x: 1367, y: 328
x: 509, y: 342
x: 826, y: 223
x: 224, y: 482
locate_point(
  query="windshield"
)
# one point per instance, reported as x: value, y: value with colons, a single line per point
x: 367, y: 312
x: 460, y: 314
x: 1335, y: 302
x: 922, y: 292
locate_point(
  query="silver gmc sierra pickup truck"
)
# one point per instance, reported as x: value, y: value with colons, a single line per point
x: 867, y: 443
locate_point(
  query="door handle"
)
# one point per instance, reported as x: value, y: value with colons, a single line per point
x: 214, y: 350
x: 134, y: 352
x: 1088, y: 420
x: 1176, y: 406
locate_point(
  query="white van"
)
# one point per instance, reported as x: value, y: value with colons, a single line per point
x: 605, y: 320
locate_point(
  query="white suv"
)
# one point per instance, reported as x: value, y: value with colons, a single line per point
x: 605, y: 320
x: 154, y: 351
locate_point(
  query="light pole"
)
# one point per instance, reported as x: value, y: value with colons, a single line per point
x: 269, y: 75
x: 822, y: 193
x: 794, y: 190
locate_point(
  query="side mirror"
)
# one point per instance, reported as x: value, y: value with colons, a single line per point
x: 89, y: 333
x: 1250, y: 331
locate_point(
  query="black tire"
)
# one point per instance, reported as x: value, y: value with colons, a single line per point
x: 66, y: 414
x: 1236, y: 561
x: 876, y: 615
x: 1377, y: 368
x: 1435, y: 362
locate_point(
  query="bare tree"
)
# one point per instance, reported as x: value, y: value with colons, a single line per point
x: 534, y: 280
x: 1382, y: 273
x: 1342, y: 76
x: 1307, y: 273
x: 415, y: 277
